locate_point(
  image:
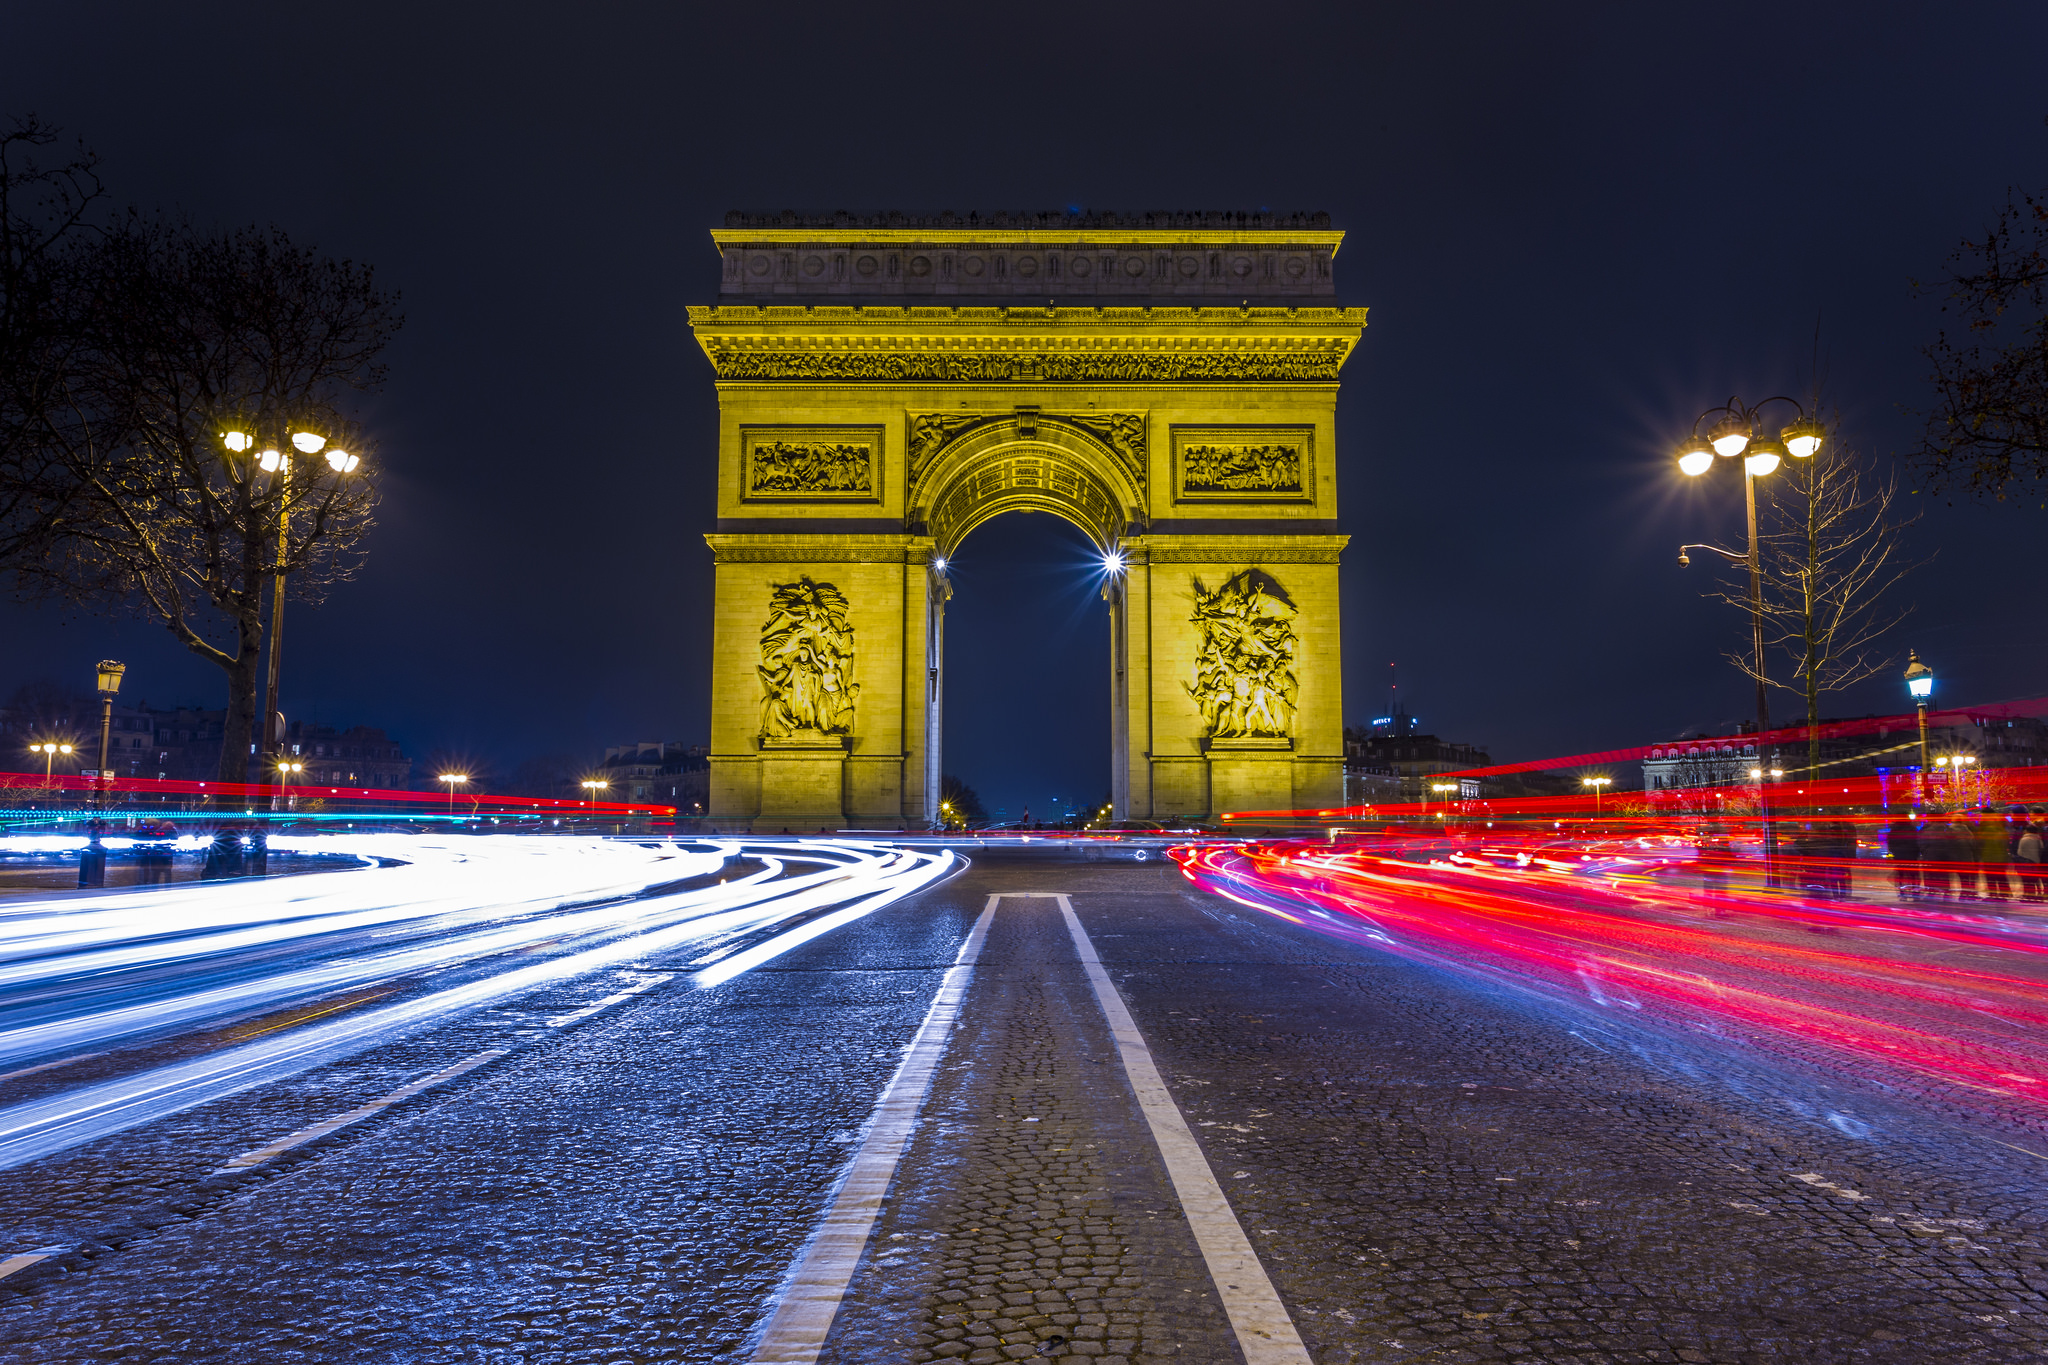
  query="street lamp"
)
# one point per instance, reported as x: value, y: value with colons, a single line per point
x: 1443, y: 789
x: 1596, y: 783
x: 278, y: 464
x: 92, y: 864
x: 453, y: 780
x: 592, y: 786
x: 49, y: 753
x: 1920, y: 686
x: 1737, y: 427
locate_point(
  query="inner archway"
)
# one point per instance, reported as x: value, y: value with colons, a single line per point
x: 1026, y: 669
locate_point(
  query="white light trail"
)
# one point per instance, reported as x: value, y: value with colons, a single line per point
x: 470, y: 928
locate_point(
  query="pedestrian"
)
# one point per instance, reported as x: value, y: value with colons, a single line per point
x: 1902, y: 846
x: 1994, y: 854
x: 1841, y: 857
x: 2028, y: 851
x: 1937, y: 856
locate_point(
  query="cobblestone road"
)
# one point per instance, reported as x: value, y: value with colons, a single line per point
x: 1431, y: 1167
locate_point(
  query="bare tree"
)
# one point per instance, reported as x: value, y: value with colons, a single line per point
x: 1987, y: 431
x: 160, y: 339
x: 47, y: 201
x: 1832, y: 549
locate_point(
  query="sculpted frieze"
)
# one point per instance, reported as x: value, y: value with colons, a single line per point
x: 1093, y: 367
x: 1244, y: 665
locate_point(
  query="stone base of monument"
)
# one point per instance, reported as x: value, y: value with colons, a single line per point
x: 1252, y: 772
x: 803, y: 783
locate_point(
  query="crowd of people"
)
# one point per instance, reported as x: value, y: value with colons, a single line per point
x: 1992, y: 855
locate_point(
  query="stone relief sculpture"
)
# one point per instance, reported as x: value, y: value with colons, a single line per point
x: 1244, y: 665
x: 1241, y: 469
x: 931, y: 431
x: 807, y: 662
x: 1123, y: 432
x: 811, y: 467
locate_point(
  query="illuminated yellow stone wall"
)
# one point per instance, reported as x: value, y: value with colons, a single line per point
x: 861, y: 442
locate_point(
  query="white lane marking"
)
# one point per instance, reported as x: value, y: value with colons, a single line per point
x: 810, y: 1299
x: 250, y: 1160
x: 1265, y: 1332
x: 24, y: 1261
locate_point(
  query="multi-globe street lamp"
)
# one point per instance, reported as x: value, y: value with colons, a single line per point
x: 1443, y: 789
x: 49, y: 753
x: 1597, y: 784
x: 1737, y: 429
x: 453, y: 780
x: 278, y: 464
x: 591, y: 787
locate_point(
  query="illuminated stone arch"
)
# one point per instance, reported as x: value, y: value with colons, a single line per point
x: 1030, y: 464
x: 1166, y: 382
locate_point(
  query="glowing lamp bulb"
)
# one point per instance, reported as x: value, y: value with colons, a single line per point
x: 237, y: 441
x: 1731, y: 434
x: 269, y: 460
x: 1922, y: 687
x: 307, y: 443
x: 342, y: 461
x: 1695, y: 462
x: 940, y: 563
x: 1113, y: 563
x: 1760, y: 465
x: 1803, y: 437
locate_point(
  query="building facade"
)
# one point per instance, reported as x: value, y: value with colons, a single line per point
x: 670, y: 773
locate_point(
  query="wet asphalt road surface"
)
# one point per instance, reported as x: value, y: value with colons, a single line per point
x: 1431, y: 1167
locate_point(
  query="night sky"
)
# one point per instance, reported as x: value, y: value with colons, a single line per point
x: 1576, y: 227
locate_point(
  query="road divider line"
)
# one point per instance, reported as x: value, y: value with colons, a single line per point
x: 1265, y: 1331
x: 810, y: 1298
x: 24, y: 1261
x: 263, y: 1155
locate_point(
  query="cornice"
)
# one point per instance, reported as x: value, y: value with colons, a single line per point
x: 1034, y: 345
x: 962, y: 237
x: 977, y: 321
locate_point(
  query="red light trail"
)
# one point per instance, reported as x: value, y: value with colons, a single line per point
x: 1629, y: 926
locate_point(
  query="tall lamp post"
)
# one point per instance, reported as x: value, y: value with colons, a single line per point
x: 1920, y: 686
x: 1597, y: 784
x: 278, y: 464
x: 92, y: 864
x: 453, y: 780
x: 1736, y: 429
x: 49, y: 753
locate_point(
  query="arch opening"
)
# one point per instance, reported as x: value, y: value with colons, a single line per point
x: 1024, y: 712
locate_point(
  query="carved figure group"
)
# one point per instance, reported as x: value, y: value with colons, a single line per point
x: 1241, y: 469
x: 811, y: 467
x: 807, y: 661
x: 1244, y: 665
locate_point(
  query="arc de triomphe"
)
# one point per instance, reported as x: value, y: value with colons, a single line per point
x: 1167, y: 382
